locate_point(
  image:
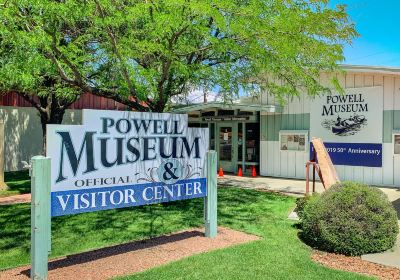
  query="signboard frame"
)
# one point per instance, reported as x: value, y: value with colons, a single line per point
x: 41, y: 182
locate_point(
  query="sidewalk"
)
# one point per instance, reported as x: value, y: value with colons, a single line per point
x: 282, y: 185
x: 291, y: 186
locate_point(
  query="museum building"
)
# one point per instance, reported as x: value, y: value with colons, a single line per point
x: 360, y: 128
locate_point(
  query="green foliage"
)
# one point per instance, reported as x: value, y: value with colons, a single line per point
x: 18, y: 182
x: 151, y: 51
x: 301, y: 203
x: 352, y: 219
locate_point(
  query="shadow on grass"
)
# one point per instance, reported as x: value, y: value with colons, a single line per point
x: 18, y: 182
x: 118, y: 249
x: 237, y: 208
x: 16, y: 176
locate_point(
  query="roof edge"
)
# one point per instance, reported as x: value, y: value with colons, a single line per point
x: 370, y: 69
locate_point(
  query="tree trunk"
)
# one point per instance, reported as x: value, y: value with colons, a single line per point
x: 51, y: 116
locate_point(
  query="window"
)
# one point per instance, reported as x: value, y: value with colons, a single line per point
x: 396, y: 141
x: 240, y: 141
x: 293, y: 140
x: 212, y: 136
x: 252, y: 145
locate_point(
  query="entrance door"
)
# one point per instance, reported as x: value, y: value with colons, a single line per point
x: 227, y: 141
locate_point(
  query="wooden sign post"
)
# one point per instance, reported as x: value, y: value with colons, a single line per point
x: 40, y: 217
x: 3, y: 185
x: 176, y: 165
x: 210, y: 201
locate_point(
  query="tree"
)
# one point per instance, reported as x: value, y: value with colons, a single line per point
x: 27, y: 70
x: 143, y: 53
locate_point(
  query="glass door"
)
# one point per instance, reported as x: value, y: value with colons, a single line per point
x: 227, y: 140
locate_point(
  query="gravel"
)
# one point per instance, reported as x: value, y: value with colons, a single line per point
x: 356, y: 264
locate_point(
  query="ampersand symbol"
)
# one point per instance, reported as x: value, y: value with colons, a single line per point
x: 169, y: 171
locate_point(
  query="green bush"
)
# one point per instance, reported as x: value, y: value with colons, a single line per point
x: 301, y: 203
x: 351, y: 219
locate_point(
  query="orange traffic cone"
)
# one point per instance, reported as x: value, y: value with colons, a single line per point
x: 221, y: 172
x: 240, y: 172
x: 253, y: 171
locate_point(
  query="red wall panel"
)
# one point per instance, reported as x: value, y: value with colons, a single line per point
x: 86, y: 101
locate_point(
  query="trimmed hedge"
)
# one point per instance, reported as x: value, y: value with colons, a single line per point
x: 301, y: 203
x: 351, y: 219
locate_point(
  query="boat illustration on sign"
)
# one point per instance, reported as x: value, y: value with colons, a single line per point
x: 345, y: 127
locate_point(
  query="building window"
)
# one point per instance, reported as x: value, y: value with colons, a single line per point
x: 212, y: 136
x: 293, y: 140
x: 396, y: 141
x: 252, y: 145
x: 226, y: 112
x: 240, y: 141
x: 208, y: 114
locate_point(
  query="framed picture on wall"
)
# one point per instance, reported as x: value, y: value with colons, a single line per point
x: 396, y: 142
x: 293, y: 140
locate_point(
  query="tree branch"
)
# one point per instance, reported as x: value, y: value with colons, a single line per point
x: 111, y: 34
x: 31, y: 100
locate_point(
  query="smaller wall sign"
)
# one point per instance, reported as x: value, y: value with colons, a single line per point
x: 226, y: 118
x: 353, y: 154
x: 396, y: 140
x: 293, y: 140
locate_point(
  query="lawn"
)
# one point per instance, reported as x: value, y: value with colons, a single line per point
x: 18, y: 182
x: 278, y: 255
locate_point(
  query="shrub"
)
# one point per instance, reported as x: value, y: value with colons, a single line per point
x: 301, y: 203
x: 351, y: 219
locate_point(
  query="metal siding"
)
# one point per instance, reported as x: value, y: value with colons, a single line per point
x: 296, y: 117
x: 396, y: 97
x: 86, y: 101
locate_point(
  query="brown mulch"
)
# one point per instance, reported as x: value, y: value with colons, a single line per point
x: 14, y: 199
x: 356, y: 264
x: 134, y: 257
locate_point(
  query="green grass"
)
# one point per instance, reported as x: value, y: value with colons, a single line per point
x: 278, y: 255
x: 18, y: 182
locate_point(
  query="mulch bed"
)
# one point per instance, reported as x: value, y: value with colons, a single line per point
x: 134, y: 257
x: 356, y: 264
x: 14, y: 199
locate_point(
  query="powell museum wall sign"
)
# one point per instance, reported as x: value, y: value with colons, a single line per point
x: 350, y: 125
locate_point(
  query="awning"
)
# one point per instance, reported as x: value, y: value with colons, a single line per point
x: 230, y: 106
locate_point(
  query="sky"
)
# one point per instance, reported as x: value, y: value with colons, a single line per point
x: 378, y: 23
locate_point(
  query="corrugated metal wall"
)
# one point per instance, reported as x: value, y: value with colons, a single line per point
x: 296, y: 116
x: 86, y: 101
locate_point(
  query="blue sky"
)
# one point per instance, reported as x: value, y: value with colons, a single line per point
x: 378, y: 22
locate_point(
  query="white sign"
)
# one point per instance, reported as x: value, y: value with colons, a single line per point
x: 350, y: 125
x: 356, y: 116
x: 119, y: 159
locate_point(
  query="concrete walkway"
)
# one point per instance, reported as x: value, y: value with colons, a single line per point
x: 392, y: 256
x: 286, y: 186
x: 389, y: 258
x: 298, y: 188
